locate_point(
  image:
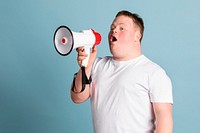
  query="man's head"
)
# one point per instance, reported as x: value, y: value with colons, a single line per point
x: 125, y: 35
x: 137, y: 20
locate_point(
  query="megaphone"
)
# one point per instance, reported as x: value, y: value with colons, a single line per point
x: 65, y: 40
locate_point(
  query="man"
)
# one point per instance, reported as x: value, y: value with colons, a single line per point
x: 129, y: 93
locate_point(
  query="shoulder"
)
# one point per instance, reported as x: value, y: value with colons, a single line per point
x: 106, y: 58
x: 101, y: 63
x: 102, y: 60
x: 154, y: 70
x: 160, y: 84
x: 150, y: 66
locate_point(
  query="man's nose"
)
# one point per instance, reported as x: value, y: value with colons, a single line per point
x: 115, y: 30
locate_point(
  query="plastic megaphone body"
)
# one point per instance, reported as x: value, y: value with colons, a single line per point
x: 65, y: 40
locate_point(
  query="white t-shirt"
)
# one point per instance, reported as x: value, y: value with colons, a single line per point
x: 122, y: 92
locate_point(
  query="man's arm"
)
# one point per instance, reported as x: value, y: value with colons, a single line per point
x: 163, y: 114
x: 77, y: 96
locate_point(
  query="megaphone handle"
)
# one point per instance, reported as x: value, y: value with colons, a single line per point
x: 85, y: 61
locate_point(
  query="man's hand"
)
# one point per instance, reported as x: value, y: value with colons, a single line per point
x: 82, y: 55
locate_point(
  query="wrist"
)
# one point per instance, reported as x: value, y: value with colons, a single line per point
x: 88, y: 70
x: 85, y: 80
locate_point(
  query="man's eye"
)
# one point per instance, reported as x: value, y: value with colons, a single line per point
x: 112, y: 28
x: 121, y: 29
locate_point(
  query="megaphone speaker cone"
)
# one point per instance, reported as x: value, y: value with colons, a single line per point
x: 63, y: 40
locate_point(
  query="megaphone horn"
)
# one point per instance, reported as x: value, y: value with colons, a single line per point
x: 65, y: 40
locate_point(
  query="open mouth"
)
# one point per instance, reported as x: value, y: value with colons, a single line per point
x: 113, y: 39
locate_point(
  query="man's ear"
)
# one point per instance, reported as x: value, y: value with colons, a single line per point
x: 137, y: 36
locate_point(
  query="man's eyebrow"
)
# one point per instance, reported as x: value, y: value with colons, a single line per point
x: 113, y: 24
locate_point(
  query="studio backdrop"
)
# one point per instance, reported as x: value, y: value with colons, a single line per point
x: 35, y: 79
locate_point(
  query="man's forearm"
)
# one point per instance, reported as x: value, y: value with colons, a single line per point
x: 76, y: 95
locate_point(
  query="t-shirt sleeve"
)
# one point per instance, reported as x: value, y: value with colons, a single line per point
x: 160, y: 87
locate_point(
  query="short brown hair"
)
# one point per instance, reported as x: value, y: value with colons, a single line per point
x: 136, y: 19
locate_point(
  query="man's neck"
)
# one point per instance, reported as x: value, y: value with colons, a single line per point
x: 132, y: 53
x: 126, y: 58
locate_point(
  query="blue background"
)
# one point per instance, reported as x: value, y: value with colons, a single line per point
x: 35, y: 80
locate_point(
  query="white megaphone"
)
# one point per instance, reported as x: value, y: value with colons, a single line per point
x: 65, y: 40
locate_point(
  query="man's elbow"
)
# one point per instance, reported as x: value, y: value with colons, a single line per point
x: 78, y: 98
x: 78, y: 101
